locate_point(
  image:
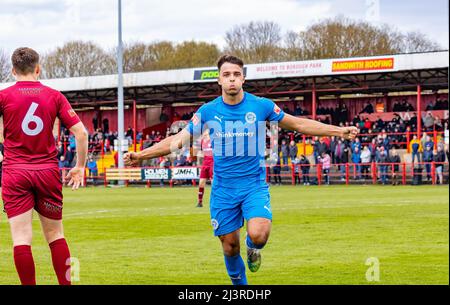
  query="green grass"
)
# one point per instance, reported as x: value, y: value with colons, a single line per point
x: 321, y: 235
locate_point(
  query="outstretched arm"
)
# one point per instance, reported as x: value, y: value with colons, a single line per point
x: 314, y: 128
x: 162, y: 148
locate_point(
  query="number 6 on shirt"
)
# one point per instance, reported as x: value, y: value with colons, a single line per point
x: 30, y: 117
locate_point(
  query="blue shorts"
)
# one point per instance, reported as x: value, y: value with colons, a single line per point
x: 230, y: 206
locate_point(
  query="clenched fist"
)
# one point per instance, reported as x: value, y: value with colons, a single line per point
x: 349, y: 133
x: 131, y: 159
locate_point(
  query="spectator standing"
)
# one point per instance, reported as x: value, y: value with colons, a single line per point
x: 382, y: 159
x: 68, y: 157
x: 105, y: 125
x: 95, y: 121
x: 428, y: 122
x: 356, y: 159
x: 305, y: 167
x: 365, y: 160
x: 295, y: 162
x: 325, y: 159
x: 356, y: 144
x: 293, y: 150
x: 416, y: 148
x: 439, y: 158
x: 341, y: 154
x: 92, y: 166
x: 147, y: 142
x: 276, y: 167
x: 394, y: 158
x: 427, y: 158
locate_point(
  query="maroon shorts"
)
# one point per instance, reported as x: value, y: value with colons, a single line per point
x: 206, y: 172
x: 24, y: 189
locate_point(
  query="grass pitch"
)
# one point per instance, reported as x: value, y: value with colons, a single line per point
x: 320, y: 235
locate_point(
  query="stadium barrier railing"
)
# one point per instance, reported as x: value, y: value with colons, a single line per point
x: 351, y: 173
x: 293, y: 174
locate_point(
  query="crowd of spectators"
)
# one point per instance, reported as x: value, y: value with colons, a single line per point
x: 378, y: 142
x: 337, y: 153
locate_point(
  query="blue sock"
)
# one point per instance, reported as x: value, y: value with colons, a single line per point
x: 250, y: 244
x: 236, y: 269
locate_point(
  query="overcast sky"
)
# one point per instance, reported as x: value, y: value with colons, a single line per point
x: 45, y: 24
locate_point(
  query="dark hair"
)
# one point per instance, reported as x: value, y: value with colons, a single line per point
x: 231, y: 59
x: 24, y: 60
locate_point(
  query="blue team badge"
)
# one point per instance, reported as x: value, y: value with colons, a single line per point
x: 250, y: 117
x: 214, y: 224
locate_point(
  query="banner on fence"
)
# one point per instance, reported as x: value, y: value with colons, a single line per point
x: 155, y: 173
x: 184, y: 173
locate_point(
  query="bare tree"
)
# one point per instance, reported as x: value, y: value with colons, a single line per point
x: 341, y: 37
x: 255, y: 42
x: 139, y: 57
x: 418, y: 42
x: 293, y: 49
x: 5, y: 67
x: 161, y: 54
x: 190, y: 54
x: 77, y: 58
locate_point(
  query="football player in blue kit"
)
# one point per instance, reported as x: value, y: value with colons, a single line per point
x: 237, y: 124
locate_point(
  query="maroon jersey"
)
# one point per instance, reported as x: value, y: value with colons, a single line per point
x: 207, y: 152
x: 29, y: 111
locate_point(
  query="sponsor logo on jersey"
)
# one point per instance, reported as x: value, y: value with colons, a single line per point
x: 250, y: 117
x: 214, y: 223
x: 71, y: 113
x: 276, y: 109
x: 195, y: 120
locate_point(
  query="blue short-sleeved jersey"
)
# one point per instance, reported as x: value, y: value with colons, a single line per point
x: 238, y: 137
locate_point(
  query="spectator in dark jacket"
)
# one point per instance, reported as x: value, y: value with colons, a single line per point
x: 373, y: 149
x: 293, y: 150
x: 295, y: 163
x: 395, y: 159
x: 68, y: 157
x: 439, y: 158
x: 323, y: 148
x: 305, y: 167
x: 427, y: 157
x: 274, y: 161
x: 333, y: 143
x: 341, y: 155
x: 382, y: 159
